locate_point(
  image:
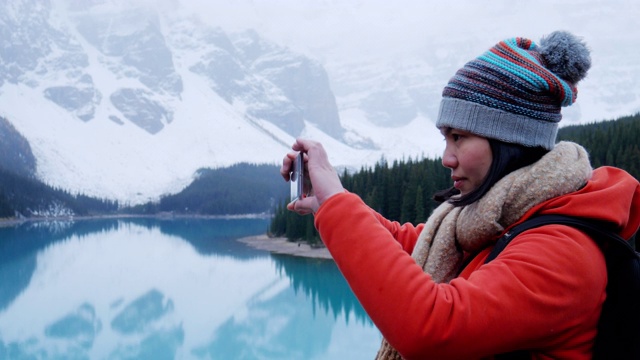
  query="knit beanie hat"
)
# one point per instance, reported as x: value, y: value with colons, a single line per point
x: 515, y: 90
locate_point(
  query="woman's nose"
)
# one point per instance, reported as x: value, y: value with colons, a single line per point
x: 449, y: 160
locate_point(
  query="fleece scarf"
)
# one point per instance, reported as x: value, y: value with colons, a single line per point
x: 450, y: 231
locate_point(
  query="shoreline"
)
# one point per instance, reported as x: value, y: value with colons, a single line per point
x: 279, y: 245
x: 13, y: 221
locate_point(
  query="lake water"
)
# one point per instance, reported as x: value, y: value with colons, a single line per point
x: 170, y: 289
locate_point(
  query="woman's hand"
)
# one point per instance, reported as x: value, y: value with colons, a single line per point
x: 324, y: 179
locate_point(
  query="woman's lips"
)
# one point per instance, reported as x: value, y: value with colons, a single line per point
x: 457, y: 182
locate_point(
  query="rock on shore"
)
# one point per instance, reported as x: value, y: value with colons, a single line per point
x: 283, y: 246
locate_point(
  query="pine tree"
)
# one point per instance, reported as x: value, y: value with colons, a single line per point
x: 419, y: 207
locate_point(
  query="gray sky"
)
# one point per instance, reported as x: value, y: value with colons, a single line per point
x: 365, y: 28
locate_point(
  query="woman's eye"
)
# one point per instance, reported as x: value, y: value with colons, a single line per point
x: 456, y: 137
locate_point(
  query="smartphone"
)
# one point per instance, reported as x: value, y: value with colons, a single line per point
x: 297, y: 178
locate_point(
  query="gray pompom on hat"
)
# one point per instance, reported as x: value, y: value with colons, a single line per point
x: 515, y: 90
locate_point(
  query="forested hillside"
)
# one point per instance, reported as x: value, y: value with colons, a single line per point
x: 403, y: 190
x: 15, y: 152
x: 25, y: 196
x: 615, y: 143
x: 239, y: 189
x: 236, y: 190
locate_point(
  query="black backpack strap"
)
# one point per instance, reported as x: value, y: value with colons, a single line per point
x: 597, y: 230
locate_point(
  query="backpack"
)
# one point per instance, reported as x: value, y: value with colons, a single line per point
x: 618, y: 334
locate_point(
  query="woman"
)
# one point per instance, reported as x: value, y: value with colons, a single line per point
x: 426, y: 287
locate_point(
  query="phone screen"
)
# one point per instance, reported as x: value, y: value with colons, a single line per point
x: 297, y: 177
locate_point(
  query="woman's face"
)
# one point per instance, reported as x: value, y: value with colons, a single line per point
x: 469, y: 158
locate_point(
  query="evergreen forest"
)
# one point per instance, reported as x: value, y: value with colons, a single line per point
x: 22, y: 196
x: 403, y: 190
x: 237, y: 190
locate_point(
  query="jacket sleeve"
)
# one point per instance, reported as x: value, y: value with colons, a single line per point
x: 405, y: 234
x: 535, y: 294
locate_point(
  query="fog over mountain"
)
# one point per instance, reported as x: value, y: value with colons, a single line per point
x: 127, y: 99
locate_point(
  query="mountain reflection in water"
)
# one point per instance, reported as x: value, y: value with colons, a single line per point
x: 170, y: 289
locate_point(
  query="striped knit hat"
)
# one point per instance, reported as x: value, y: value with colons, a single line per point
x: 514, y: 91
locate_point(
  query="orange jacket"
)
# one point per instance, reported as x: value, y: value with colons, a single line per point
x: 543, y: 292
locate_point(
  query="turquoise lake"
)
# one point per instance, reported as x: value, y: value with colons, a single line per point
x: 170, y: 289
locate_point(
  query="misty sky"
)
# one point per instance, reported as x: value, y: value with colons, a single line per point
x: 331, y: 29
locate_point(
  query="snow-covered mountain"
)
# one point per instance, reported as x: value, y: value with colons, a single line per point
x: 126, y: 100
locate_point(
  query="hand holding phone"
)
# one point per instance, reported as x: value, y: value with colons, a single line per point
x: 314, y: 179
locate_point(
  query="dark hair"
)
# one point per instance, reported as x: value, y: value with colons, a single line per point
x: 507, y: 157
